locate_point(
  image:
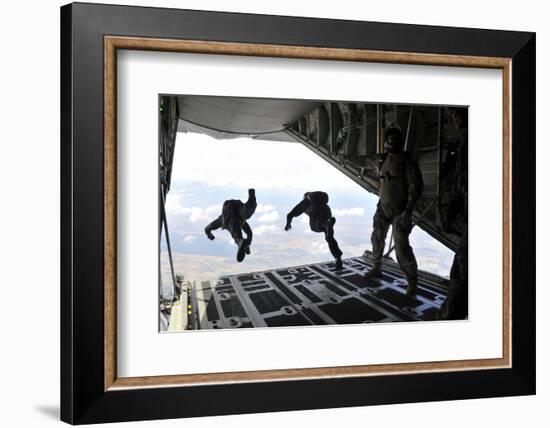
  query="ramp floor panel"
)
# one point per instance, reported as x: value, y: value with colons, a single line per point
x: 316, y: 294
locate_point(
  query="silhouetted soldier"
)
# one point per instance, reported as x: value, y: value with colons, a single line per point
x: 400, y: 186
x: 233, y: 219
x: 315, y: 205
x: 456, y: 217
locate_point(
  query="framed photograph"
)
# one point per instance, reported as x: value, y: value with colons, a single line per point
x: 265, y: 213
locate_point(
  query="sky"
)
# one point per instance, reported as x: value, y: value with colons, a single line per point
x: 207, y: 171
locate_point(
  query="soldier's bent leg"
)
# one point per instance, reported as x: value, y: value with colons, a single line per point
x: 216, y: 224
x: 380, y: 227
x: 380, y: 224
x: 236, y: 233
x: 332, y: 243
x: 405, y: 256
x: 234, y: 227
x: 248, y: 240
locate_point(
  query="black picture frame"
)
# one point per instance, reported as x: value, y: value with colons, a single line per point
x: 83, y: 396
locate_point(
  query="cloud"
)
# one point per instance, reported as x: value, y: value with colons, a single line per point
x: 433, y: 265
x: 189, y: 238
x: 357, y: 211
x: 194, y: 214
x: 244, y: 162
x: 261, y: 208
x: 319, y: 247
x: 269, y: 217
x: 266, y: 229
x: 354, y: 250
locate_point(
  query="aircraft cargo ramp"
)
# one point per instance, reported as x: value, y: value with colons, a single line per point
x: 314, y: 294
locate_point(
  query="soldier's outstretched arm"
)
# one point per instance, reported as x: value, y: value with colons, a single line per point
x: 297, y: 211
x: 216, y: 224
x: 250, y: 205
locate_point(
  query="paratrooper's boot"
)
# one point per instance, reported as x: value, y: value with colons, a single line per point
x: 241, y: 252
x: 411, y: 287
x: 374, y: 272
